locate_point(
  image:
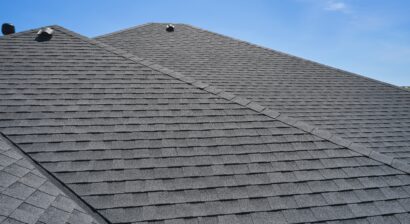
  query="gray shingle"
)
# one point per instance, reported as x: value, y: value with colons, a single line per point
x: 282, y: 202
x: 299, y: 215
x: 365, y: 209
x: 7, y: 179
x: 40, y: 199
x: 268, y: 217
x: 8, y: 205
x: 29, y: 199
x: 309, y: 200
x: 339, y: 212
x: 19, y: 190
x: 26, y: 213
x: 383, y: 219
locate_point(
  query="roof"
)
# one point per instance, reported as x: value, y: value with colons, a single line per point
x: 28, y: 196
x: 136, y: 142
x: 373, y: 114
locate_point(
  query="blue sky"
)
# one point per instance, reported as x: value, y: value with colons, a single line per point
x: 368, y: 37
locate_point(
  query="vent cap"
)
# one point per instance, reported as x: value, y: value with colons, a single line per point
x: 7, y: 28
x: 45, y: 34
x: 170, y: 28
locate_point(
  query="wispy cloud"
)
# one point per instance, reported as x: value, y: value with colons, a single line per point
x: 336, y: 6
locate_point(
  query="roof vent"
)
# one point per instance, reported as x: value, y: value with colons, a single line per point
x: 44, y: 34
x: 7, y: 28
x: 170, y: 28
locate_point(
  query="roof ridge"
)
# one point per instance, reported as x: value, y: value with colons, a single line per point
x: 298, y: 58
x: 324, y: 134
x: 54, y: 180
x: 123, y: 30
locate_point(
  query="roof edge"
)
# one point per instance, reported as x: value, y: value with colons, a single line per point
x: 54, y: 180
x: 321, y: 133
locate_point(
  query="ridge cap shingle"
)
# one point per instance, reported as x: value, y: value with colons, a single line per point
x: 324, y: 134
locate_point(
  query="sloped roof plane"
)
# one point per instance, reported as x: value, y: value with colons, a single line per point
x: 368, y: 112
x: 140, y: 143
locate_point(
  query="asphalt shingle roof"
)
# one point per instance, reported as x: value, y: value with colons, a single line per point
x: 373, y: 114
x: 27, y: 196
x: 140, y: 143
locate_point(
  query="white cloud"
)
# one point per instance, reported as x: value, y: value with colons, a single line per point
x: 336, y: 6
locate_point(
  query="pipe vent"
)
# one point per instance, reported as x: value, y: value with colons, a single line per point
x: 170, y: 28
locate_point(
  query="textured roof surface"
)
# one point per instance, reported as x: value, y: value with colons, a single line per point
x: 27, y: 196
x: 365, y: 111
x: 141, y: 146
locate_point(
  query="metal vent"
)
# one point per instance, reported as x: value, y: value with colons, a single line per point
x: 170, y: 28
x: 44, y: 34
